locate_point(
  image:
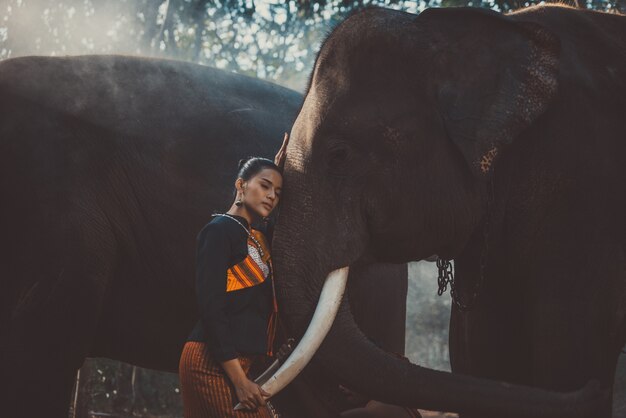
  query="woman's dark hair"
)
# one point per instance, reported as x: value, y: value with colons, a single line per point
x: 250, y: 166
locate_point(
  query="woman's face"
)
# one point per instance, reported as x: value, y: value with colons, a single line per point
x: 262, y: 191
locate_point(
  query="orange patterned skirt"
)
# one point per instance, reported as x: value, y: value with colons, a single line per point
x: 205, y: 388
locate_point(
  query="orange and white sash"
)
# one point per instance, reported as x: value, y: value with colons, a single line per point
x: 253, y: 269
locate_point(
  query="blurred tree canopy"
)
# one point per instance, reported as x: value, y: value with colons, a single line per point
x: 270, y: 39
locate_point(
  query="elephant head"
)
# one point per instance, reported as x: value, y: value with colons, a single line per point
x: 390, y: 160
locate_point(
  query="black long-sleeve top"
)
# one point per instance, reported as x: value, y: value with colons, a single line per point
x: 231, y: 323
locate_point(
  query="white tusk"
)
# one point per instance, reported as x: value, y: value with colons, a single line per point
x: 323, y: 318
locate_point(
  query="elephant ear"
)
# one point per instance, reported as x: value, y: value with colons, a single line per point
x: 496, y: 77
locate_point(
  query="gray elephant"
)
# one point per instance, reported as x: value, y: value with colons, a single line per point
x: 495, y: 140
x: 110, y: 167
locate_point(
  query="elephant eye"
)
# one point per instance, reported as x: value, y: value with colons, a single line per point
x: 338, y: 156
x: 338, y: 159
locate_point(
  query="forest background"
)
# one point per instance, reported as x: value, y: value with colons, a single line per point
x: 270, y: 39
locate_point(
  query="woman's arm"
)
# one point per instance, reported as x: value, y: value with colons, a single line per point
x: 213, y: 255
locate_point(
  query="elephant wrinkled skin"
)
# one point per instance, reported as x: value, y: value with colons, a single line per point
x: 110, y: 167
x: 495, y: 140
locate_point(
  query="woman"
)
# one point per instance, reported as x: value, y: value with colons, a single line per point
x: 236, y: 300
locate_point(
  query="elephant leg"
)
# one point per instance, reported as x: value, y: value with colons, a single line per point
x: 377, y: 294
x: 586, y: 357
x: 584, y: 335
x: 481, y: 347
x: 489, y: 340
x: 619, y: 388
x: 45, y: 344
x: 56, y: 299
x: 36, y: 383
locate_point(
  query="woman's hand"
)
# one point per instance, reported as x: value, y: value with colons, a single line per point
x: 250, y: 394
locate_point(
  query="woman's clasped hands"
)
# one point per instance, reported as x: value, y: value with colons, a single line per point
x: 250, y: 394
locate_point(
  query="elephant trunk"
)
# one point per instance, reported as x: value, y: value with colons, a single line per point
x: 347, y: 353
x: 369, y: 370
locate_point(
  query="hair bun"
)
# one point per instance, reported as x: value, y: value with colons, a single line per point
x: 242, y: 162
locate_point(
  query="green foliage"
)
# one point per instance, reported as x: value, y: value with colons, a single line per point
x: 269, y: 39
